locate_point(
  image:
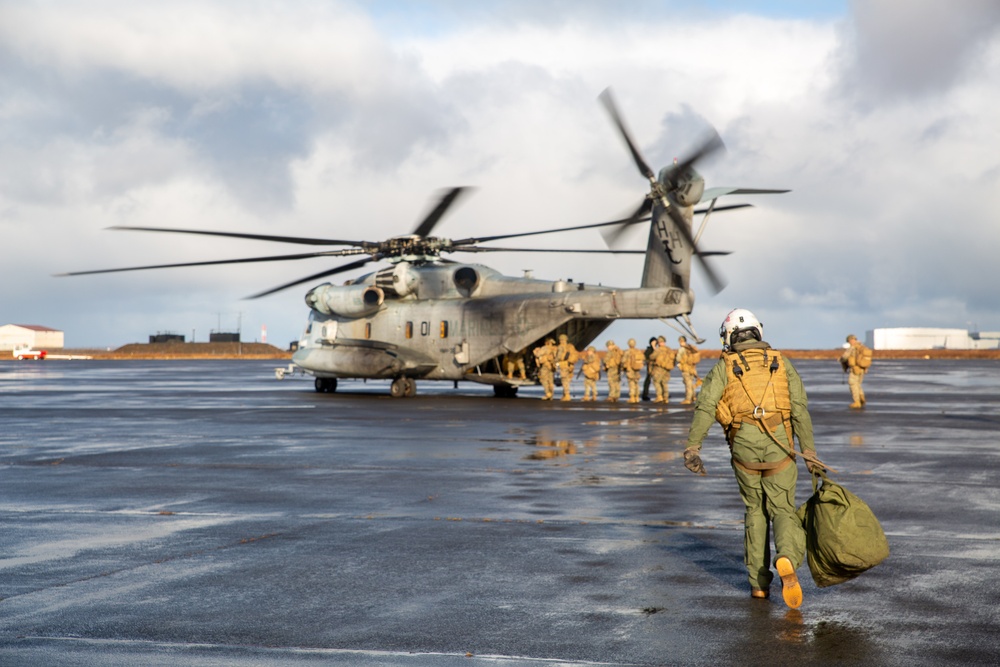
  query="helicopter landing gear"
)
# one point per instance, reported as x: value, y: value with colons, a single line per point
x: 505, y: 391
x: 326, y: 385
x: 403, y: 387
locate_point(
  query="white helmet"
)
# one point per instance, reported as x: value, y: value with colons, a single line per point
x: 738, y: 320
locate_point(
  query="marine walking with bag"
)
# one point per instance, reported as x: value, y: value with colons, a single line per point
x: 757, y: 396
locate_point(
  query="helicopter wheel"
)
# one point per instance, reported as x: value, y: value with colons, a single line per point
x: 411, y: 388
x: 504, y: 391
x: 326, y: 385
x: 398, y: 388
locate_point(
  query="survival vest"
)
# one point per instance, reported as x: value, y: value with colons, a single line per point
x: 756, y: 391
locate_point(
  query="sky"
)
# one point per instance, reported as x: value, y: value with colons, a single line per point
x: 344, y: 119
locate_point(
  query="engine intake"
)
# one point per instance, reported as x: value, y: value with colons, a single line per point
x: 351, y: 301
x: 466, y: 280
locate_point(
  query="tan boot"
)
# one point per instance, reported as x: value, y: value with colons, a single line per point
x: 791, y: 591
x: 855, y: 405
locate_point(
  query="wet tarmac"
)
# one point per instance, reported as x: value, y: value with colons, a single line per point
x: 204, y: 513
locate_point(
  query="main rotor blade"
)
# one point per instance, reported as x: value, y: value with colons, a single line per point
x: 485, y: 239
x: 612, y: 236
x: 430, y: 221
x: 713, y: 278
x: 317, y: 276
x: 609, y: 103
x: 473, y: 240
x: 244, y: 260
x: 596, y: 252
x: 257, y: 237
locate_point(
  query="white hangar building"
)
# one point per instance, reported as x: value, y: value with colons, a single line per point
x: 917, y: 338
x: 31, y: 335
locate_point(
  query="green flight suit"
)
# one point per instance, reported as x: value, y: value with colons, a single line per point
x: 769, y: 500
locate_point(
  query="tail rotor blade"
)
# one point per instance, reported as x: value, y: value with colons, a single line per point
x: 710, y: 144
x: 713, y: 278
x: 608, y: 100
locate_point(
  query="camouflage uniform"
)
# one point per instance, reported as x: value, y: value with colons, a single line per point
x: 687, y: 360
x: 515, y: 360
x: 566, y: 358
x: 661, y: 362
x: 613, y: 367
x: 764, y: 470
x: 851, y: 362
x: 545, y: 361
x: 633, y: 362
x: 591, y: 373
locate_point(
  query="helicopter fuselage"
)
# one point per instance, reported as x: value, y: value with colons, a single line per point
x: 448, y: 321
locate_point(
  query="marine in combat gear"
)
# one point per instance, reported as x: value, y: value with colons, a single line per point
x: 613, y: 358
x: 757, y: 396
x: 856, y: 360
x: 686, y: 360
x: 514, y: 360
x: 545, y: 362
x: 591, y: 367
x: 566, y: 358
x: 661, y: 362
x: 633, y: 361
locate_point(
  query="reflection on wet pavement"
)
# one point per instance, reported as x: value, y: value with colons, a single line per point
x: 192, y: 513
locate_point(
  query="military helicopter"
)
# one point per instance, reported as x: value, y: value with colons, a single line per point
x: 425, y: 317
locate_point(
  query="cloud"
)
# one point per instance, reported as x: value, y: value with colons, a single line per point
x: 340, y: 119
x: 916, y: 50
